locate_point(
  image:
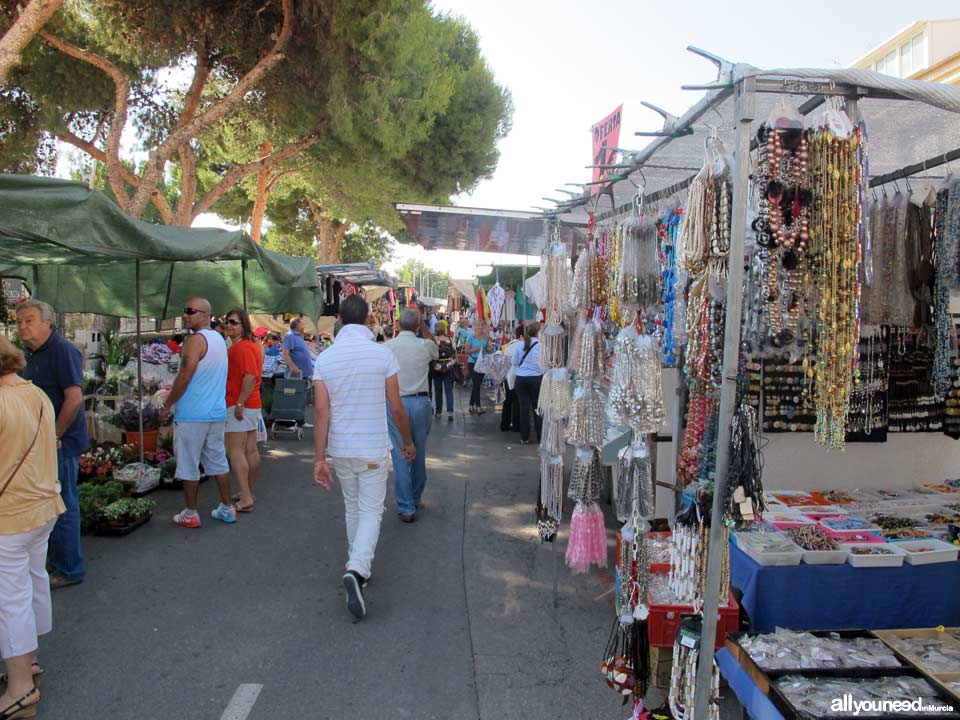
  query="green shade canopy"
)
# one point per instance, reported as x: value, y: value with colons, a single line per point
x: 78, y: 250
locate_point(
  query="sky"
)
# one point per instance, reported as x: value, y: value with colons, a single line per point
x: 569, y: 63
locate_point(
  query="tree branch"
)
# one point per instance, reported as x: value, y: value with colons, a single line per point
x: 195, y: 94
x: 113, y: 163
x: 188, y: 185
x: 238, y: 172
x: 29, y: 21
x: 280, y: 176
x: 159, y: 201
x: 216, y: 112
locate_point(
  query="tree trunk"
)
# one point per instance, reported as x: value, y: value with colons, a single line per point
x: 260, y: 201
x: 330, y: 233
x: 33, y: 17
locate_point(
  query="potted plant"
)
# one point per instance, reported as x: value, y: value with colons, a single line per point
x: 93, y: 497
x: 123, y: 516
x: 127, y: 418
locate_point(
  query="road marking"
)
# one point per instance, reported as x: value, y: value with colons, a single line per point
x: 242, y: 702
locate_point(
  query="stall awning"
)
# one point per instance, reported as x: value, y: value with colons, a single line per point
x: 464, y: 287
x: 77, y: 250
x: 443, y: 227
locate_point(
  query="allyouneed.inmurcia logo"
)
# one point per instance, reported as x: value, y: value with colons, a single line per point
x: 847, y: 704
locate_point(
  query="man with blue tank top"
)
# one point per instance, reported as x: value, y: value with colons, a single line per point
x: 198, y: 399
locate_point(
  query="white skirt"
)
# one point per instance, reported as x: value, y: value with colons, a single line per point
x: 252, y: 420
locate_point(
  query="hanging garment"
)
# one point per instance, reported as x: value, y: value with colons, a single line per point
x: 483, y: 307
x: 509, y: 307
x: 495, y: 299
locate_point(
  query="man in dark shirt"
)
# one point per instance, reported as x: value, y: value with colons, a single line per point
x: 56, y: 367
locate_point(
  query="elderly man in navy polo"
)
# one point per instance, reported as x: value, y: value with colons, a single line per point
x: 56, y: 367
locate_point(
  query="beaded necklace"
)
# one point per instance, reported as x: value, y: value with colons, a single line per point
x: 836, y: 169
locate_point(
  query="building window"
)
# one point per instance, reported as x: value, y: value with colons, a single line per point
x: 892, y: 64
x: 906, y: 60
x: 919, y: 51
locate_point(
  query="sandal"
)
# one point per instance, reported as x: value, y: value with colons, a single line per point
x: 21, y: 708
x: 243, y: 508
x: 35, y: 669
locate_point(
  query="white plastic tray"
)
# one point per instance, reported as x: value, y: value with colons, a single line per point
x: 825, y: 557
x: 943, y: 552
x: 793, y: 556
x: 893, y: 559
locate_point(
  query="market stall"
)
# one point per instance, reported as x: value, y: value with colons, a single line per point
x: 75, y: 249
x: 799, y: 290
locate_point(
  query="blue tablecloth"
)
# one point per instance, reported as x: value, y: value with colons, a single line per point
x: 824, y: 597
x: 757, y: 705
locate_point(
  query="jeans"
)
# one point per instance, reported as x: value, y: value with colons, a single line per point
x: 510, y: 417
x: 528, y: 391
x: 443, y: 385
x: 477, y: 383
x: 410, y: 478
x: 364, y: 486
x: 64, y: 553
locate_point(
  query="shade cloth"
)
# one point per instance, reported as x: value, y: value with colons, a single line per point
x: 827, y: 597
x: 77, y: 250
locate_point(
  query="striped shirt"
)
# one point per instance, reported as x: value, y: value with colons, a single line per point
x: 355, y: 370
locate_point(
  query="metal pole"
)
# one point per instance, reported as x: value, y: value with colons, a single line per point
x: 745, y: 101
x: 243, y: 279
x: 677, y: 438
x: 556, y: 571
x: 139, y: 366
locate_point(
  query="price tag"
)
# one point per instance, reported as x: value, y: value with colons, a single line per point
x: 641, y: 611
x: 688, y: 635
x: 585, y: 454
x: 640, y: 450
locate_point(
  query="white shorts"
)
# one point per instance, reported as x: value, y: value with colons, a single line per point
x: 251, y: 420
x: 199, y: 442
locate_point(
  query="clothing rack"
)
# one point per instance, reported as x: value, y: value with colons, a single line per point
x: 909, y: 170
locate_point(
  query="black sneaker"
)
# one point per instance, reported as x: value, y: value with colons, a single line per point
x: 352, y: 584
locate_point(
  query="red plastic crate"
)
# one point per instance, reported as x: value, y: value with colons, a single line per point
x: 664, y: 621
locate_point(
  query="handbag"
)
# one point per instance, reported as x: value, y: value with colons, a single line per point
x: 25, y: 455
x: 480, y: 366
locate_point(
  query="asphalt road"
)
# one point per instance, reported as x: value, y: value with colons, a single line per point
x: 248, y: 620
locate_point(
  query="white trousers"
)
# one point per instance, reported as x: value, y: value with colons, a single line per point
x: 25, y: 610
x: 364, y: 485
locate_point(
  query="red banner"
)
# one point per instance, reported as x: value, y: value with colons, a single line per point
x: 606, y: 138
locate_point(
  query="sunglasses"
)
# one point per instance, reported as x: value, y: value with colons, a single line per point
x: 233, y: 322
x: 191, y: 311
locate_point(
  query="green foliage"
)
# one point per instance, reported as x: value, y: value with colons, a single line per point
x: 424, y: 278
x: 93, y: 497
x: 366, y: 244
x: 126, y: 509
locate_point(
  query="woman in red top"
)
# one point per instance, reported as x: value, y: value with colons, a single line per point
x: 244, y: 364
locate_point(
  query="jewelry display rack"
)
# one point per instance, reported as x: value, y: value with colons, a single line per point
x: 743, y: 84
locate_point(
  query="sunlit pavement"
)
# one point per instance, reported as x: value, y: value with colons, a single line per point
x: 248, y: 620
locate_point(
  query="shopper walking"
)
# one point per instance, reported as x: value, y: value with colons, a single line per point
x: 350, y: 380
x: 244, y: 364
x: 56, y: 367
x: 199, y: 410
x: 29, y: 505
x: 414, y: 357
x: 477, y: 342
x: 510, y: 415
x: 296, y: 354
x: 529, y: 376
x: 442, y: 370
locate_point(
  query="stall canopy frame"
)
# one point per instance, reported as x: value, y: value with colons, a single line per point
x: 912, y: 126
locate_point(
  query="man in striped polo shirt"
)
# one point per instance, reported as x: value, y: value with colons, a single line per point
x: 351, y: 379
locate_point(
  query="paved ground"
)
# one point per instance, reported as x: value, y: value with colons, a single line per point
x: 461, y: 620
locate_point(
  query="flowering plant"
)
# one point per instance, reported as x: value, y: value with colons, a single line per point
x: 99, y: 463
x: 128, y: 416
